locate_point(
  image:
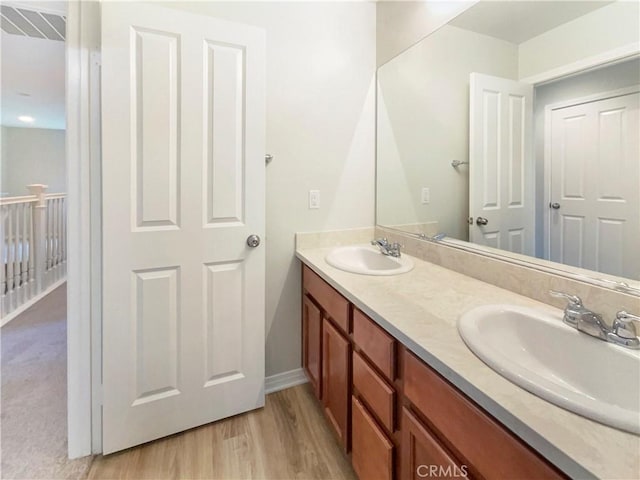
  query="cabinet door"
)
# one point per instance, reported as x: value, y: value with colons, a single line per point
x: 422, y: 454
x: 335, y: 379
x: 311, y: 343
x: 371, y: 452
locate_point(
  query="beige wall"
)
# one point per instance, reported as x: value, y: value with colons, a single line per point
x: 320, y: 129
x: 400, y: 24
x: 609, y: 28
x: 32, y: 155
x: 423, y: 119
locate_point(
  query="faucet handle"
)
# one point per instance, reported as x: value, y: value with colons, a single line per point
x: 623, y: 325
x: 573, y: 299
x: 380, y: 241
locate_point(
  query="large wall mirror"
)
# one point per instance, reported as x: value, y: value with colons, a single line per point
x: 514, y: 129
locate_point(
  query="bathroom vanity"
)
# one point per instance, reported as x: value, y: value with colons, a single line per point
x: 405, y: 395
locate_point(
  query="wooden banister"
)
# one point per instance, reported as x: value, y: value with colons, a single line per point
x: 33, y: 249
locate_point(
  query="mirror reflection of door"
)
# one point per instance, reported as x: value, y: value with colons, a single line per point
x: 433, y: 177
x: 595, y: 184
x: 501, y: 196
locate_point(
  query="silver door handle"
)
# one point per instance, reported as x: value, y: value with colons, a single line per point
x: 481, y: 221
x: 253, y: 241
x: 554, y: 205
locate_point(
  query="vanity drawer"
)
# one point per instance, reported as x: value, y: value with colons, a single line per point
x: 378, y: 396
x: 371, y: 450
x: 334, y: 304
x: 475, y: 435
x: 375, y: 343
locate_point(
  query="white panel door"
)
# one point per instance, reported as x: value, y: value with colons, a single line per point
x: 183, y: 107
x: 595, y: 186
x: 501, y: 170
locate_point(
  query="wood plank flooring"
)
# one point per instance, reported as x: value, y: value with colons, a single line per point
x: 288, y: 439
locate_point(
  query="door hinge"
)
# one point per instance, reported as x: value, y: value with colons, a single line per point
x: 96, y: 59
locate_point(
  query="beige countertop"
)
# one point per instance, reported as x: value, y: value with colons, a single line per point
x: 420, y: 308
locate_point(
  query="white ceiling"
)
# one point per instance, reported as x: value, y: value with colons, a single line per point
x: 35, y: 67
x: 519, y: 21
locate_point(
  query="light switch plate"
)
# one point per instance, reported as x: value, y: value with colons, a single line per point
x: 314, y: 199
x: 425, y: 195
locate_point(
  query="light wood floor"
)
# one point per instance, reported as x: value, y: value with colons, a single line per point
x: 288, y: 439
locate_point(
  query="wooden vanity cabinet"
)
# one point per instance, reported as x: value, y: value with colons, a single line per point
x: 326, y: 350
x: 374, y: 449
x: 400, y: 419
x: 483, y: 445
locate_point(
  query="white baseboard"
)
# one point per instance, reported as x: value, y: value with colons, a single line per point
x: 284, y: 380
x: 31, y: 302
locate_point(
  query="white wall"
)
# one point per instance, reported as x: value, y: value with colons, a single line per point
x: 613, y: 27
x: 32, y: 155
x: 423, y: 125
x: 400, y: 25
x: 3, y: 157
x: 621, y: 75
x: 320, y: 128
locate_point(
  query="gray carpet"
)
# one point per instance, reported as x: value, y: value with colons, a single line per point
x: 33, y: 408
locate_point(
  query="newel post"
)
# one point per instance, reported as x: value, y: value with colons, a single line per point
x: 39, y: 233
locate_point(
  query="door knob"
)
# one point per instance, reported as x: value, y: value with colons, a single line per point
x: 253, y: 241
x: 554, y: 205
x: 481, y: 221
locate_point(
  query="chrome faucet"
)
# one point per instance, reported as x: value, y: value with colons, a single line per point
x: 623, y: 332
x: 576, y: 315
x: 386, y: 248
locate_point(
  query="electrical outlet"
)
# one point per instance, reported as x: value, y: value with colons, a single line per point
x: 425, y: 195
x: 314, y: 198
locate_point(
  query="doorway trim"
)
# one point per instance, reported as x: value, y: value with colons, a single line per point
x: 546, y: 219
x: 83, y: 267
x: 609, y: 57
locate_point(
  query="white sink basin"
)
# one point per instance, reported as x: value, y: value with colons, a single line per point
x: 367, y: 260
x: 538, y: 352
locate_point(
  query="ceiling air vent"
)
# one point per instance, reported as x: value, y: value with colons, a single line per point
x: 21, y: 21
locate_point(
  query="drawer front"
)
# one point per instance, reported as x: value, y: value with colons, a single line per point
x: 377, y: 394
x: 422, y: 455
x: 371, y: 450
x: 336, y: 306
x: 476, y: 436
x: 376, y: 344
